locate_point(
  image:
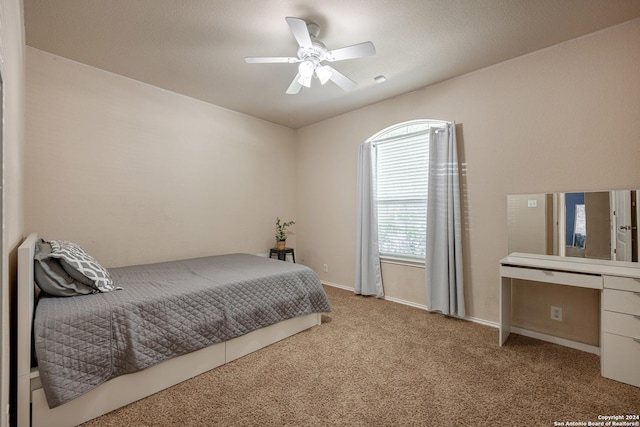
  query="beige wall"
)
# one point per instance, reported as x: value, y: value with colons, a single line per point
x: 136, y: 174
x: 12, y: 69
x: 564, y: 118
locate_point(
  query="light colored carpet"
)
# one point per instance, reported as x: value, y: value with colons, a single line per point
x: 375, y: 363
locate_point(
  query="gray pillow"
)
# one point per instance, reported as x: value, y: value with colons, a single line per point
x: 51, y: 278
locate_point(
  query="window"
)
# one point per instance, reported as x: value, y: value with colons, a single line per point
x: 402, y: 170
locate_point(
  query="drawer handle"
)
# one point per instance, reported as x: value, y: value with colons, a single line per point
x: 637, y: 340
x: 550, y: 273
x: 637, y: 294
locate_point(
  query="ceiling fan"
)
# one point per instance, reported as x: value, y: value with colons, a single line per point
x: 310, y: 55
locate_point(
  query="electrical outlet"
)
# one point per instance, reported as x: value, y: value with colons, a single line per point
x: 325, y: 268
x: 556, y: 313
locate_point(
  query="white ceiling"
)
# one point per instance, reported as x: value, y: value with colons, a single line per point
x: 197, y: 47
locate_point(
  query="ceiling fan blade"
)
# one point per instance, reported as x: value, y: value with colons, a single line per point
x: 295, y: 85
x: 300, y: 32
x: 356, y: 51
x: 341, y: 80
x: 270, y: 60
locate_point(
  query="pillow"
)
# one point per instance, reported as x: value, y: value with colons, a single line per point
x: 81, y: 266
x: 51, y: 278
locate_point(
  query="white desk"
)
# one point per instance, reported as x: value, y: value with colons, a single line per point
x: 619, y: 306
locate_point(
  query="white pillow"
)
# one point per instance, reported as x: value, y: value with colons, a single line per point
x: 81, y: 266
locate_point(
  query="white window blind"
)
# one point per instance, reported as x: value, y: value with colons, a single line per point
x: 402, y: 183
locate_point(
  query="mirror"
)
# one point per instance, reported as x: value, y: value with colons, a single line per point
x: 589, y: 224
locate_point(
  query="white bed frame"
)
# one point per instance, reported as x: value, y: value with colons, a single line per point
x: 33, y: 409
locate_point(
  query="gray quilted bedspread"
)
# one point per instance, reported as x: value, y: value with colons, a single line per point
x: 164, y: 310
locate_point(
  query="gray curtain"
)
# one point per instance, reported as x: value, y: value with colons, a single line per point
x: 368, y: 275
x: 444, y: 243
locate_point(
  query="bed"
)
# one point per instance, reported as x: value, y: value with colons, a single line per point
x: 161, y: 324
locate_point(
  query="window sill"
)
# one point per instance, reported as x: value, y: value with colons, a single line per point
x: 409, y: 262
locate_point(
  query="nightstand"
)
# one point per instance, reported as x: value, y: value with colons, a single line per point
x: 282, y: 253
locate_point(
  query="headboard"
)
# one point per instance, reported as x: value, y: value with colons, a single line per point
x: 26, y: 307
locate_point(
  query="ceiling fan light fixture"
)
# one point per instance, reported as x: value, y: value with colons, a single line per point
x: 323, y: 73
x: 305, y: 81
x: 306, y: 69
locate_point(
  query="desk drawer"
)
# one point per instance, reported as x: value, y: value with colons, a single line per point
x: 621, y: 324
x: 621, y: 301
x: 621, y: 361
x: 622, y: 283
x: 552, y: 276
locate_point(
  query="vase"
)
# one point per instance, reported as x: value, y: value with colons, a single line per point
x: 281, y: 244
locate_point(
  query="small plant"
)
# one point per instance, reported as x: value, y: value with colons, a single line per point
x: 281, y: 229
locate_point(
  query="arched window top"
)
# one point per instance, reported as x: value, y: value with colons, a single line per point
x: 402, y: 130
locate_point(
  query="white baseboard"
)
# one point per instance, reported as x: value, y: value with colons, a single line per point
x: 556, y: 340
x: 526, y: 332
x: 409, y: 303
x: 335, y: 285
x: 403, y: 302
x: 483, y: 322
